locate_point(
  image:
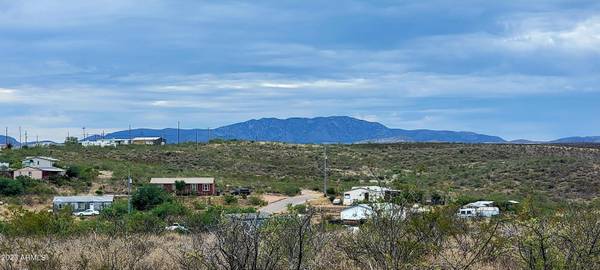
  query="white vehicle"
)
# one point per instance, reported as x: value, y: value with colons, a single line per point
x: 176, y: 227
x: 337, y: 201
x: 88, y: 212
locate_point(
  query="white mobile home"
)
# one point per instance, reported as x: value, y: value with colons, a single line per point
x: 479, y: 209
x: 82, y: 203
x: 364, y: 194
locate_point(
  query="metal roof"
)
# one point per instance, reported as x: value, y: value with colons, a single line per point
x: 146, y: 138
x: 187, y: 180
x: 46, y: 169
x: 41, y: 157
x: 69, y: 199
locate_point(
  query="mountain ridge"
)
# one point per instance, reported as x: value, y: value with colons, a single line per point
x: 320, y: 130
x: 332, y: 129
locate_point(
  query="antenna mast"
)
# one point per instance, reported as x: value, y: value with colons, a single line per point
x: 178, y: 132
x: 325, y: 172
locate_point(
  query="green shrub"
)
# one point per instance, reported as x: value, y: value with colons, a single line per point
x: 291, y: 190
x: 29, y: 223
x: 117, y: 210
x: 179, y: 186
x: 230, y: 199
x: 144, y: 222
x: 35, y: 187
x: 257, y: 201
x: 149, y: 196
x: 169, y: 209
x: 199, y: 205
x: 331, y: 191
x: 10, y: 187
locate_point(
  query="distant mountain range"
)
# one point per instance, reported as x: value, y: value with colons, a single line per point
x: 11, y: 140
x: 589, y: 139
x: 334, y: 129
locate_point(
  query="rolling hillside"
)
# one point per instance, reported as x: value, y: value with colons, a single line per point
x: 556, y: 171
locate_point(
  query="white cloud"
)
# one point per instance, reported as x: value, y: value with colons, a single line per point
x: 8, y: 95
x: 583, y: 34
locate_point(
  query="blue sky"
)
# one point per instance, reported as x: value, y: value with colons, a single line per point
x: 517, y: 69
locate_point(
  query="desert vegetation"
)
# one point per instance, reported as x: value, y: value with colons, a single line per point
x: 554, y: 227
x: 556, y: 172
x: 529, y: 238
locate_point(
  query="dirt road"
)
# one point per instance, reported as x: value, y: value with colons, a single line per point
x: 281, y: 205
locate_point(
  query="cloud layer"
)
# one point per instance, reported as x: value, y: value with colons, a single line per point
x: 519, y: 70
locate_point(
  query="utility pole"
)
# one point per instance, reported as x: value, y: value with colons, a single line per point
x: 325, y: 172
x: 83, y: 128
x: 25, y: 137
x: 177, y: 132
x: 37, y: 140
x: 208, y: 130
x: 129, y: 134
x: 129, y: 193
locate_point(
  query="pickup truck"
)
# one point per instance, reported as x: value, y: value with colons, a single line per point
x: 241, y: 191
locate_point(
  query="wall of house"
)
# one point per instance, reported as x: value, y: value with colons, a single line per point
x: 37, y: 162
x: 81, y: 206
x: 29, y: 172
x: 191, y: 190
x: 200, y: 189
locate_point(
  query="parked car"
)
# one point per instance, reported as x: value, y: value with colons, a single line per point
x: 177, y: 227
x: 337, y: 201
x: 88, y: 212
x: 241, y: 191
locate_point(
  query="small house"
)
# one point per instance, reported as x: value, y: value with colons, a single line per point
x: 479, y: 209
x: 148, y: 141
x: 82, y: 203
x: 39, y: 167
x: 201, y: 186
x: 364, y: 194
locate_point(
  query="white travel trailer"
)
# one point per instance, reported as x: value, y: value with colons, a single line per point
x: 479, y: 209
x: 364, y: 194
x: 358, y: 213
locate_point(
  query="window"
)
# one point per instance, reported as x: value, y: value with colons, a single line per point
x: 194, y: 187
x: 206, y: 187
